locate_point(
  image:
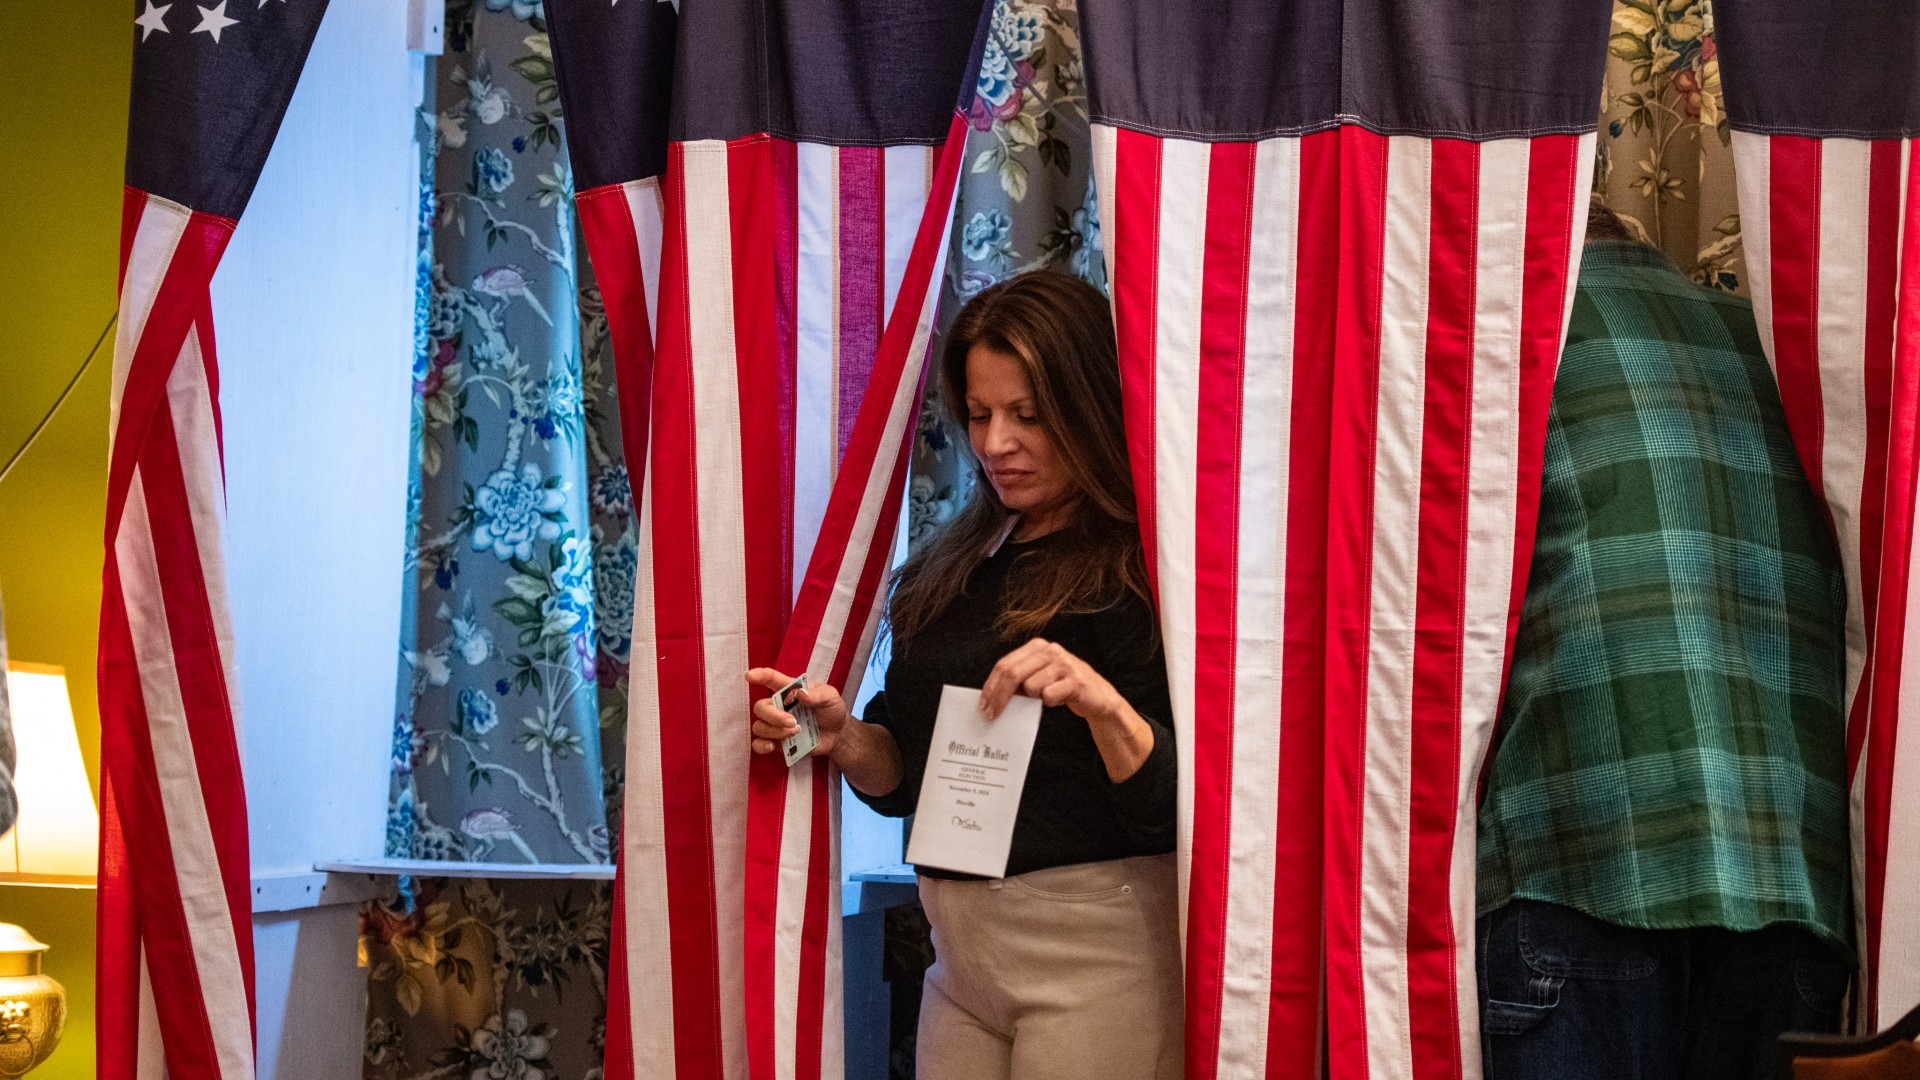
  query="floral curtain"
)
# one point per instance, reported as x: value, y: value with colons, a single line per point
x: 520, y: 567
x: 518, y: 593
x: 1663, y: 162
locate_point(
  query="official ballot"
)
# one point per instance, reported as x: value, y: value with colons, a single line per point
x: 971, y: 790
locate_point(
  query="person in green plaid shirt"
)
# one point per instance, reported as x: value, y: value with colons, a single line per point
x: 1663, y: 873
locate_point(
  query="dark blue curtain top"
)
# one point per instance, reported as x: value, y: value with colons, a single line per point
x: 843, y: 72
x: 614, y: 63
x: 210, y: 86
x: 1836, y: 68
x: 1220, y: 70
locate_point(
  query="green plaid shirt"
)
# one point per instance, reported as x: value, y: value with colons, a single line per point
x: 1672, y: 742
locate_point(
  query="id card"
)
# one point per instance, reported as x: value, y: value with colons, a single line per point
x: 800, y: 743
x: 970, y: 795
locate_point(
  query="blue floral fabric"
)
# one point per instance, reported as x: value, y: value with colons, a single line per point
x: 518, y: 594
x: 520, y: 563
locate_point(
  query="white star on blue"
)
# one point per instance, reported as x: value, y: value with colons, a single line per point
x: 213, y: 20
x: 152, y: 19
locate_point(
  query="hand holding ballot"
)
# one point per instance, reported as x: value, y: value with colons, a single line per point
x: 1046, y: 670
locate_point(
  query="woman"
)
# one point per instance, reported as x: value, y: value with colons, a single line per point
x: 1068, y: 967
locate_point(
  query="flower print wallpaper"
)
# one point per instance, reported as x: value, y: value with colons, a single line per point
x: 1664, y: 162
x: 490, y: 980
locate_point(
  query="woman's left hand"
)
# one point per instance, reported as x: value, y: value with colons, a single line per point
x: 1046, y: 670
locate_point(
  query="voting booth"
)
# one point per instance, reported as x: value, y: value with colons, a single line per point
x: 1339, y: 240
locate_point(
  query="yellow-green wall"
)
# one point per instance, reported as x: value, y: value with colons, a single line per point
x: 64, y: 70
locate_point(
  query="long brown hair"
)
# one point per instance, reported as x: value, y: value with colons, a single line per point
x: 1061, y: 331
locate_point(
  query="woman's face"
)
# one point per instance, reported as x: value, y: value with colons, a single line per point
x: 1022, y: 462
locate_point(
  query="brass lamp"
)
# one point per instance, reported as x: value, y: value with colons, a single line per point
x: 33, y: 1008
x: 53, y: 843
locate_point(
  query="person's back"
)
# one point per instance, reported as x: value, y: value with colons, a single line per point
x: 1667, y: 800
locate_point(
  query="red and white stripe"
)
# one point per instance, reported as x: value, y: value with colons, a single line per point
x: 796, y: 300
x: 622, y: 225
x: 1832, y: 235
x: 1337, y: 352
x: 176, y: 932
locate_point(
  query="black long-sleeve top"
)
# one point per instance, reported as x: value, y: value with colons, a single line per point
x: 1070, y: 812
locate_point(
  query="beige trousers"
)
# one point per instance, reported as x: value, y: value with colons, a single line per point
x: 1061, y: 974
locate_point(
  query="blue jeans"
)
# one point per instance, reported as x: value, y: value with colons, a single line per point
x: 1564, y: 996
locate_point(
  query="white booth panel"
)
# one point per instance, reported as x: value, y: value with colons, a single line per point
x: 313, y: 313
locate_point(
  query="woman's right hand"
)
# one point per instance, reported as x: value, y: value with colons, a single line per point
x: 772, y: 723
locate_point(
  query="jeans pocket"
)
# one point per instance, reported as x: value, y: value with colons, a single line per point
x: 1515, y: 995
x: 1516, y: 1017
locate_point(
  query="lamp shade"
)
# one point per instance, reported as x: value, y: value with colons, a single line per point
x: 56, y: 840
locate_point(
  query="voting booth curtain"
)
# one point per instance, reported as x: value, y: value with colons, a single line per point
x: 175, y: 987
x: 1341, y: 258
x: 765, y: 192
x: 1342, y: 261
x: 1339, y: 237
x: 1825, y: 109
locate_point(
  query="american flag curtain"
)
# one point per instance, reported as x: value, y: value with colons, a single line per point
x: 765, y: 189
x: 1824, y: 101
x: 1342, y: 241
x: 175, y: 915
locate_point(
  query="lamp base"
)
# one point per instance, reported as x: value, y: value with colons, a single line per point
x: 33, y: 1007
